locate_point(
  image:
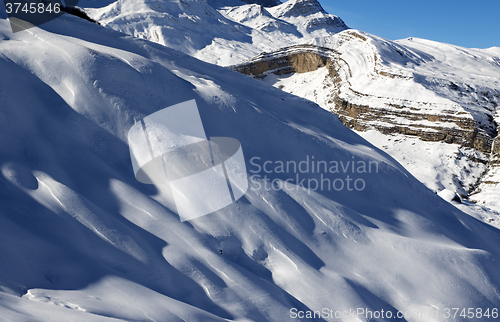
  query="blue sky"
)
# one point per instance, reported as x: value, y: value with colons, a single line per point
x: 473, y: 23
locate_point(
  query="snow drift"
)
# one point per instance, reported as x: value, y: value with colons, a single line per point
x: 82, y: 240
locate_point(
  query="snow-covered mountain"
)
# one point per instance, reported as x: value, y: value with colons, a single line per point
x: 410, y: 88
x: 82, y: 240
x: 223, y: 32
x: 309, y: 17
x: 407, y: 89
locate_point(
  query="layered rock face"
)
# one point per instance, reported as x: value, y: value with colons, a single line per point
x: 394, y: 116
x: 371, y: 83
x: 488, y: 190
x: 495, y: 151
x: 293, y: 59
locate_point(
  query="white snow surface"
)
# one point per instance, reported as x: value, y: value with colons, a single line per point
x: 222, y: 32
x: 82, y: 240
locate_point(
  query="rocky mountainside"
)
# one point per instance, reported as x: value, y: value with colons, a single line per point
x: 417, y: 88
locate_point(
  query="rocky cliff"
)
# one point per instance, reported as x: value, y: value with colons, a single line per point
x: 396, y: 116
x: 371, y: 83
x: 293, y: 59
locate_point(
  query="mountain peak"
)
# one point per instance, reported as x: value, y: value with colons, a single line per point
x: 293, y: 8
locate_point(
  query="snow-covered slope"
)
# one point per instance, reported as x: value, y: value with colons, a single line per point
x: 188, y: 26
x: 223, y: 32
x: 82, y: 240
x: 416, y: 88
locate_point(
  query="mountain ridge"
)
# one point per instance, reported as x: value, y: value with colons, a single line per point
x: 460, y: 110
x: 221, y: 32
x: 297, y: 8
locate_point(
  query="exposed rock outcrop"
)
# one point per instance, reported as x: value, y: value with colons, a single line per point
x: 295, y: 59
x: 364, y: 80
x: 495, y: 151
x: 446, y: 126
